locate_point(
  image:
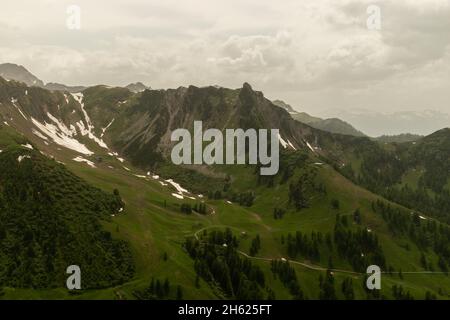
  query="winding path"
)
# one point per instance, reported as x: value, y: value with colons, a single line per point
x: 303, y: 264
x: 307, y: 265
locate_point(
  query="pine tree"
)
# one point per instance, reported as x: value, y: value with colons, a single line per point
x: 166, y: 288
x: 327, y: 291
x: 197, y: 281
x: 347, y: 289
x: 179, y: 293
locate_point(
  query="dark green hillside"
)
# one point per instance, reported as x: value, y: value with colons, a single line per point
x: 433, y: 153
x: 103, y: 104
x: 415, y: 174
x: 50, y: 219
x: 218, y: 263
x: 400, y: 138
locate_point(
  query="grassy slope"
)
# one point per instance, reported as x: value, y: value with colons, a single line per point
x: 153, y: 229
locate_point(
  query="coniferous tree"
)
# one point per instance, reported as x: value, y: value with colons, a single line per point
x: 347, y: 289
x: 327, y: 290
x: 179, y: 293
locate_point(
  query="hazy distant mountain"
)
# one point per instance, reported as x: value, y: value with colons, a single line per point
x: 333, y: 125
x: 306, y: 117
x: 137, y: 87
x: 404, y: 126
x: 62, y: 87
x: 400, y: 138
x: 376, y: 123
x: 284, y: 105
x: 11, y: 71
x: 336, y: 125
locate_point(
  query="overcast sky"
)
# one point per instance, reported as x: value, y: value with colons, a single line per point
x: 316, y: 55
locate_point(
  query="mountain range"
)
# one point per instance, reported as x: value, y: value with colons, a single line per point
x: 333, y: 125
x: 87, y: 180
x: 376, y: 123
x: 393, y: 127
x: 11, y: 71
x: 336, y: 125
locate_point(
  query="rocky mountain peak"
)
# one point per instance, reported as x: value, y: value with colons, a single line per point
x: 11, y: 71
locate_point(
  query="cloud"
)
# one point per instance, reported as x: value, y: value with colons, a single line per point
x: 255, y: 54
x: 314, y: 54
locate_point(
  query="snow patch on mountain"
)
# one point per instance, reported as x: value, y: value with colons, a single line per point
x: 309, y: 146
x: 62, y: 127
x: 81, y: 159
x: 106, y: 128
x: 116, y: 155
x: 20, y: 158
x: 38, y: 134
x: 176, y: 195
x: 291, y: 145
x: 177, y: 186
x: 28, y: 146
x: 61, y: 135
x: 89, y: 130
x: 283, y: 143
x: 14, y: 103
